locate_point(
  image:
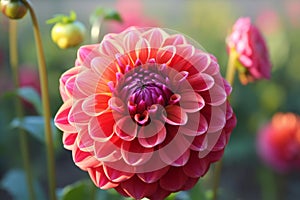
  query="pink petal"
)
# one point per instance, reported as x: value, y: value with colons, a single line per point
x: 196, y: 125
x: 196, y: 167
x: 101, y: 127
x: 126, y: 129
x: 151, y: 177
x: 86, y: 53
x: 175, y: 115
x: 111, y: 47
x: 69, y: 140
x: 84, y: 160
x: 165, y: 55
x: 218, y: 119
x: 159, y: 194
x: 115, y: 175
x: 101, y: 64
x: 95, y: 104
x: 221, y: 143
x: 190, y: 183
x: 134, y: 154
x: 86, y: 83
x: 100, y: 180
x: 200, y: 143
x: 130, y: 41
x: 84, y: 141
x: 175, y: 40
x: 152, y: 134
x: 191, y: 101
x: 173, y: 180
x: 137, y: 189
x: 215, y: 96
x: 108, y: 151
x: 61, y: 119
x: 201, y: 61
x: 175, y: 150
x: 155, y: 36
x: 182, y: 160
x: 142, y: 50
x: 76, y: 115
x: 201, y: 81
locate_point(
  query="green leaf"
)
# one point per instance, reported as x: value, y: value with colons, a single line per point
x: 106, y: 14
x: 78, y: 191
x: 65, y: 19
x: 33, y: 125
x: 15, y: 183
x: 31, y: 95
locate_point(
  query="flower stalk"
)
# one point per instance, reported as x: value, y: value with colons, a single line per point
x: 19, y: 110
x: 230, y: 74
x: 45, y: 101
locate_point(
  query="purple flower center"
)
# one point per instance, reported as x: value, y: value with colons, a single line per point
x: 143, y: 87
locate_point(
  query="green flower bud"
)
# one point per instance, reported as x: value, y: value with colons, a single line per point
x: 14, y: 9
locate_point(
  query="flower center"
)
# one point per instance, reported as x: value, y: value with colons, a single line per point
x: 141, y: 88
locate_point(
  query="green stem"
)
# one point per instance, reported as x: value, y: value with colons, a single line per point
x: 45, y: 101
x: 95, y: 30
x: 13, y: 54
x: 230, y: 73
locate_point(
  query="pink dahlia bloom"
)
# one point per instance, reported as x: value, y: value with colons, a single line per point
x: 278, y: 142
x: 248, y: 44
x: 145, y: 112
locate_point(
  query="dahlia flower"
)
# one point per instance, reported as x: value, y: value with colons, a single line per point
x: 278, y: 142
x: 145, y: 112
x: 248, y: 45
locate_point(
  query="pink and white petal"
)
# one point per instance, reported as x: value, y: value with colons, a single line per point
x: 86, y: 83
x: 201, y: 81
x: 165, y: 55
x: 100, y: 180
x: 69, y: 87
x: 174, y: 148
x: 96, y: 104
x: 86, y: 53
x: 61, y: 119
x: 182, y: 160
x: 108, y: 151
x: 196, y: 167
x: 153, y: 176
x: 130, y: 40
x: 196, y: 125
x: 175, y: 40
x: 101, y: 64
x: 84, y: 160
x: 76, y: 115
x: 84, y: 140
x: 175, y: 115
x: 134, y: 154
x: 218, y: 118
x: 173, y: 180
x: 142, y: 50
x: 137, y: 189
x: 221, y: 142
x: 126, y: 129
x: 152, y: 134
x: 201, y: 61
x: 69, y: 140
x: 101, y: 127
x: 191, y: 101
x: 215, y: 96
x: 115, y: 175
x: 110, y: 47
x: 200, y: 143
x: 155, y: 36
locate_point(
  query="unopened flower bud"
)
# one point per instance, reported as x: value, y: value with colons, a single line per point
x: 14, y: 9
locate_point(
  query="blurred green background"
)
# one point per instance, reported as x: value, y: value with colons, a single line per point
x: 207, y: 22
